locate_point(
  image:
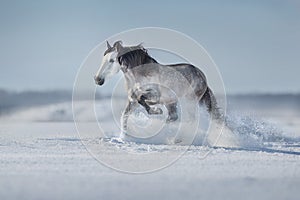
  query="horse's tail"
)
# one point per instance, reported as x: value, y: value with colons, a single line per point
x: 209, y: 100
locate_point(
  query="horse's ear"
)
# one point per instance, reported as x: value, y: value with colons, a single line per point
x: 118, y: 46
x: 108, y: 45
x: 140, y: 45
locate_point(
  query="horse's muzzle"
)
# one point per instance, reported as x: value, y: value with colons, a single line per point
x: 99, y: 80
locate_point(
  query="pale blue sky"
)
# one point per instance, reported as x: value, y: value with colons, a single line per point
x: 256, y: 44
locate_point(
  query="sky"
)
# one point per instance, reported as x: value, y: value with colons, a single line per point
x: 255, y: 44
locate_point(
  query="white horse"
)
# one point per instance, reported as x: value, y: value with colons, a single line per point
x: 150, y: 83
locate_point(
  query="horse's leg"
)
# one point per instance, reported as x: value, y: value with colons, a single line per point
x: 209, y: 100
x: 125, y: 115
x: 150, y: 111
x: 172, y: 111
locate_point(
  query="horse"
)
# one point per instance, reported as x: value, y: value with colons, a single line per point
x: 143, y: 77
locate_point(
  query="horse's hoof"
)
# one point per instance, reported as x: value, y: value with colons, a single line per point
x: 172, y: 119
x: 177, y: 141
x: 155, y: 111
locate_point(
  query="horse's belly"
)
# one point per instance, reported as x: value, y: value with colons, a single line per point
x: 168, y: 96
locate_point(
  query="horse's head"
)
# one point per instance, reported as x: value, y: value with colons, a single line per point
x: 110, y: 64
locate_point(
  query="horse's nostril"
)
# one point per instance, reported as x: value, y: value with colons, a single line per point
x: 99, y: 80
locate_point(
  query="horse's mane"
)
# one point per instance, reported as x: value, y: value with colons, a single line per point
x: 135, y: 56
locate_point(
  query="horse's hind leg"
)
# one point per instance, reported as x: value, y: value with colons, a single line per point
x: 172, y: 111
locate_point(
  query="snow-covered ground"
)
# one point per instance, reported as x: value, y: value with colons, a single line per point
x: 42, y: 157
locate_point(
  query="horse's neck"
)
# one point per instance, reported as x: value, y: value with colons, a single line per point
x: 129, y: 79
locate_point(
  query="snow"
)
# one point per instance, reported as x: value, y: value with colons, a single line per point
x: 43, y: 157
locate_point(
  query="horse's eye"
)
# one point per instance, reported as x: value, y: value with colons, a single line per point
x: 111, y: 60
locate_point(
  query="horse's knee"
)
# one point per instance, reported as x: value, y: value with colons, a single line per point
x: 142, y: 102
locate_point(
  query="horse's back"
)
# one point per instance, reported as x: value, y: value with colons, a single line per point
x: 193, y: 75
x: 188, y: 69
